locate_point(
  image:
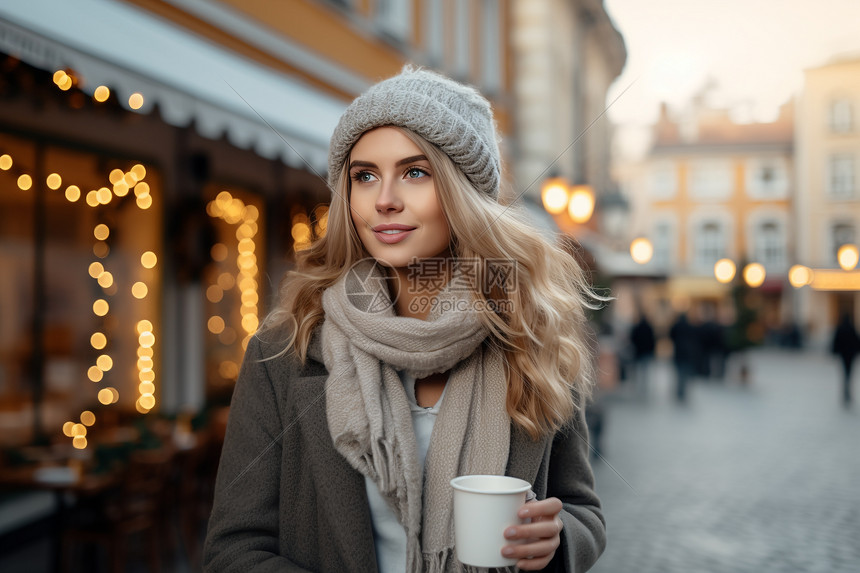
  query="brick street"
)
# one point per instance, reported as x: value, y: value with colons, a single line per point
x: 764, y: 478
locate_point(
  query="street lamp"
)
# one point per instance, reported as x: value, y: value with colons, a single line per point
x: 754, y: 274
x: 555, y: 195
x: 848, y: 256
x: 581, y: 204
x: 799, y: 276
x: 641, y: 250
x: 724, y: 270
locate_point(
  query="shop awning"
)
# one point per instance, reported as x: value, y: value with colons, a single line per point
x: 129, y: 50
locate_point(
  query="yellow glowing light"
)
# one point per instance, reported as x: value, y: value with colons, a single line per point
x: 754, y: 274
x: 25, y: 182
x: 120, y: 189
x: 248, y: 230
x: 98, y: 340
x: 101, y: 249
x: 144, y: 363
x: 799, y: 276
x: 104, y: 195
x: 581, y: 204
x: 724, y: 270
x: 66, y: 84
x: 101, y: 232
x: 226, y: 281
x: 216, y: 325
x: 79, y: 430
x: 144, y: 201
x: 5, y: 162
x: 228, y: 369
x: 848, y: 256
x: 144, y: 326
x: 135, y: 101
x: 95, y: 374
x: 139, y: 171
x: 145, y: 352
x: 104, y: 362
x: 79, y: 442
x: 101, y: 307
x: 641, y: 250
x: 555, y: 195
x: 146, y: 376
x: 130, y: 179
x: 59, y: 76
x: 251, y: 213
x: 73, y: 193
x: 214, y: 293
x: 146, y: 339
x: 115, y: 176
x: 246, y: 246
x: 101, y: 94
x: 219, y: 252
x: 250, y: 323
x: 67, y: 429
x: 141, y: 189
x: 54, y: 181
x: 247, y: 283
x: 92, y: 198
x: 96, y: 269
x: 88, y: 418
x: 146, y: 388
x: 139, y: 290
x: 147, y: 401
x: 105, y: 396
x: 105, y: 280
x: 250, y: 297
x: 301, y: 233
x: 148, y: 260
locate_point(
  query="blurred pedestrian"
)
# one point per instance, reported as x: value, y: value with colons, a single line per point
x: 685, y: 342
x: 846, y: 345
x: 435, y: 352
x: 644, y: 343
x: 713, y: 344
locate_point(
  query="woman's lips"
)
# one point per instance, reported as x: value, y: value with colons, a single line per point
x: 391, y: 233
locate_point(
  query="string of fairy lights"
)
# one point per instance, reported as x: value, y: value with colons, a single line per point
x: 121, y: 183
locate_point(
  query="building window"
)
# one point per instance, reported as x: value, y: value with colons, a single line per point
x: 462, y: 38
x: 434, y: 31
x: 840, y: 116
x: 395, y: 18
x: 710, y: 241
x: 767, y: 178
x: 770, y: 245
x: 490, y: 49
x: 841, y: 234
x: 663, y: 240
x: 841, y: 176
x: 710, y: 179
x: 663, y: 181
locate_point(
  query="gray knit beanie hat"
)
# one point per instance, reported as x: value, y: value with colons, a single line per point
x: 454, y: 117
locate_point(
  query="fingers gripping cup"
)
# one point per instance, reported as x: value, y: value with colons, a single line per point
x: 484, y: 506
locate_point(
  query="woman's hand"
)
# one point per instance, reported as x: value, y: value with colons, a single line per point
x: 540, y: 538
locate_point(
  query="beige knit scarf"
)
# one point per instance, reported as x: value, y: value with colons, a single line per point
x: 364, y: 343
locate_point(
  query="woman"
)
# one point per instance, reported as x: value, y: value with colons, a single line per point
x: 429, y: 334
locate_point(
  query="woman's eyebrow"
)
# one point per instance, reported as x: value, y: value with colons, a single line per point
x: 404, y: 161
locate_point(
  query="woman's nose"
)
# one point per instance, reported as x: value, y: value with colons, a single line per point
x: 388, y: 199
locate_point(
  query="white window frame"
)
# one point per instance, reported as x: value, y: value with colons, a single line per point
x: 840, y: 116
x: 758, y: 188
x: 394, y: 17
x: 662, y: 180
x: 665, y: 252
x: 770, y: 249
x: 842, y: 176
x: 710, y: 179
x: 848, y: 235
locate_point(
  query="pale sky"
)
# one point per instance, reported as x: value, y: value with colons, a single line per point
x: 755, y: 51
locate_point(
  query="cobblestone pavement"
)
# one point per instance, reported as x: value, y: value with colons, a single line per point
x: 759, y: 479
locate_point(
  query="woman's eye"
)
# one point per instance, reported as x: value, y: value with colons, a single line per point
x: 415, y: 173
x: 362, y: 177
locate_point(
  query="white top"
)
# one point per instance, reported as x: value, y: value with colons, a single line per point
x: 389, y: 536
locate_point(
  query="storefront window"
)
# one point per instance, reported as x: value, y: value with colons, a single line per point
x: 80, y: 244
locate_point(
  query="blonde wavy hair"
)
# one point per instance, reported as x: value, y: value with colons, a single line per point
x: 539, y: 323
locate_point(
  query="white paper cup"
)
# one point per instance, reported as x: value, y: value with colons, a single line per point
x: 484, y: 506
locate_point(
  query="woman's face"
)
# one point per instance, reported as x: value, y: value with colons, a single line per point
x: 393, y: 200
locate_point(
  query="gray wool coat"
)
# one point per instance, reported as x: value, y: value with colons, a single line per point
x: 287, y: 501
